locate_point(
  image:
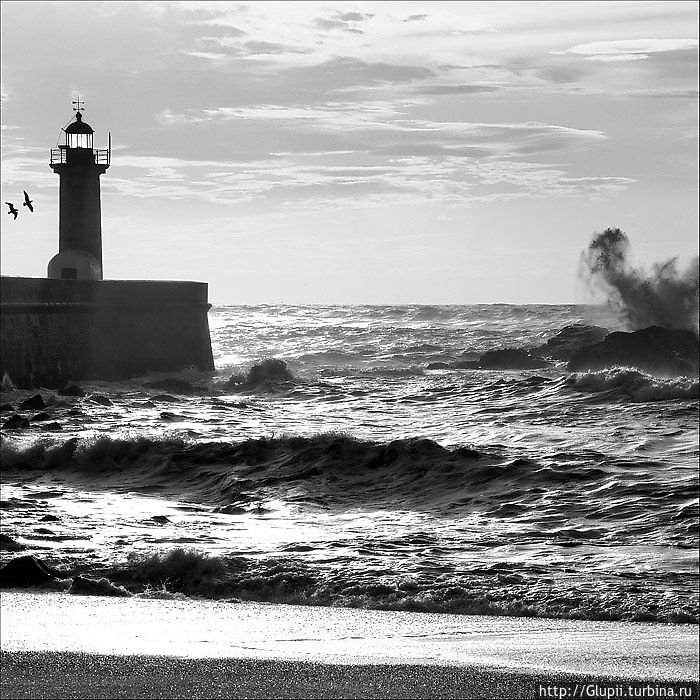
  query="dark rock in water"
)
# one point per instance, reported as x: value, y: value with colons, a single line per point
x: 160, y: 519
x: 660, y: 351
x: 100, y: 399
x: 170, y: 416
x: 71, y: 390
x: 511, y: 358
x: 89, y: 586
x: 176, y: 386
x: 569, y: 339
x: 34, y: 403
x: 41, y: 416
x: 231, y: 510
x: 53, y: 427
x: 49, y: 519
x: 6, y: 407
x: 25, y: 572
x: 270, y: 374
x: 165, y: 397
x: 43, y: 531
x: 7, y: 544
x: 15, y: 422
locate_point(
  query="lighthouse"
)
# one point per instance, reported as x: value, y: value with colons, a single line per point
x: 73, y: 325
x: 79, y: 167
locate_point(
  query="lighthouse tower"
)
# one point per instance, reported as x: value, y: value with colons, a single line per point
x: 79, y: 218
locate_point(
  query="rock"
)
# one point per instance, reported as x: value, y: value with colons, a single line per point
x: 569, y: 339
x: 44, y: 531
x: 270, y: 374
x: 660, y: 351
x: 100, y: 399
x: 15, y: 422
x: 160, y: 519
x: 510, y: 358
x: 41, y: 416
x: 165, y: 397
x: 34, y: 403
x: 7, y: 544
x: 49, y: 519
x: 176, y: 386
x: 24, y: 572
x: 71, y: 390
x: 6, y: 407
x: 231, y: 510
x: 438, y: 365
x: 53, y: 427
x: 89, y: 586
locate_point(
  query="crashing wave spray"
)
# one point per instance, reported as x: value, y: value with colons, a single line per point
x: 663, y: 296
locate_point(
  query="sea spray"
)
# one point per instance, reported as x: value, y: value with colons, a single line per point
x: 663, y: 296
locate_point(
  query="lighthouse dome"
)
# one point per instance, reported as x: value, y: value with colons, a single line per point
x: 79, y: 126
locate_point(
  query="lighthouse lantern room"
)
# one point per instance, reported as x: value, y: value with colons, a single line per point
x: 79, y: 167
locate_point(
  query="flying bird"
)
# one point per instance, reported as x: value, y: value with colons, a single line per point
x: 27, y: 202
x: 12, y: 211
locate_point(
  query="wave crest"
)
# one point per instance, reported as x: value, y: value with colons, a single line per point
x: 631, y: 383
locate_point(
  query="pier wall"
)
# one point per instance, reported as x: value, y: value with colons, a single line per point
x: 54, y: 331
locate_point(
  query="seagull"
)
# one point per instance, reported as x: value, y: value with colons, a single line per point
x: 27, y: 202
x: 12, y: 211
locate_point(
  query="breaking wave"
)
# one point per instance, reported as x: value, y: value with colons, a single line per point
x: 663, y: 296
x: 501, y: 589
x: 628, y: 383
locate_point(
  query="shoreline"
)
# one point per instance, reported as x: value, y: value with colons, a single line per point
x: 60, y: 645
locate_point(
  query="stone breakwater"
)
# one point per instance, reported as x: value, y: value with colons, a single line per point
x: 53, y: 331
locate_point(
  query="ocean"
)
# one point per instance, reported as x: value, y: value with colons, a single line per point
x: 370, y: 467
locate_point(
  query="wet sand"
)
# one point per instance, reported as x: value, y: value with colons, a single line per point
x: 59, y: 646
x: 73, y: 675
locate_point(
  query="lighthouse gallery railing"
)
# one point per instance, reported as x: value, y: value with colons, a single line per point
x: 101, y: 156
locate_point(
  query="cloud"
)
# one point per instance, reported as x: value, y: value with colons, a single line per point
x: 323, y: 23
x: 454, y: 89
x: 354, y: 17
x: 630, y: 49
x: 371, y: 153
x: 345, y: 21
x: 267, y: 47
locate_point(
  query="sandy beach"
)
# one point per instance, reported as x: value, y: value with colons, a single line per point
x: 71, y: 675
x: 59, y: 646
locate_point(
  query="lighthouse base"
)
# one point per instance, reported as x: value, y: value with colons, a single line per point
x: 54, y: 331
x: 73, y: 264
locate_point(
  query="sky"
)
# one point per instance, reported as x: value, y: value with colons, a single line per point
x: 360, y: 153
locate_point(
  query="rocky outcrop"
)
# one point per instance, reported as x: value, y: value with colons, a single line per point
x: 660, y: 351
x: 569, y: 339
x: 15, y: 422
x: 7, y: 544
x: 34, y: 403
x: 25, y: 572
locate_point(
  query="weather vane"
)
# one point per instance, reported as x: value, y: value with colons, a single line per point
x: 80, y: 104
